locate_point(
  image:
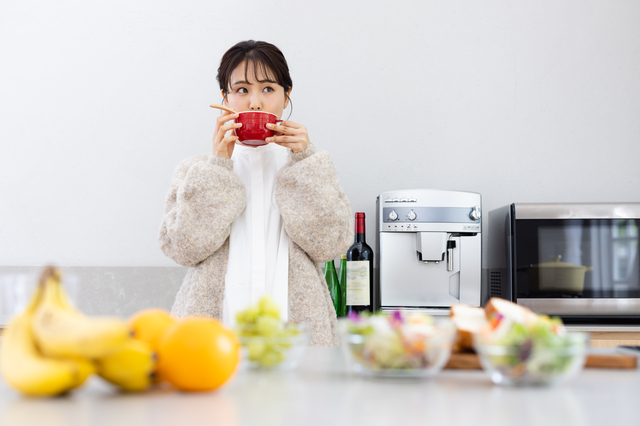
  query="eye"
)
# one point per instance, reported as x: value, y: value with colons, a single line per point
x: 242, y: 90
x: 268, y: 89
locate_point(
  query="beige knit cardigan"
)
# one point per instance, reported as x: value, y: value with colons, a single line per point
x: 206, y: 196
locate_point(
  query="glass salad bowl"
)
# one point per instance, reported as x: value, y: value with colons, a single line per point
x: 396, y: 345
x: 533, y: 359
x: 279, y: 352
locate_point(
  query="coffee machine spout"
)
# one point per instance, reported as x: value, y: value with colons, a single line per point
x: 431, y: 246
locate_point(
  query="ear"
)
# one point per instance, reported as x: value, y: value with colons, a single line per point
x: 224, y: 98
x: 286, y: 98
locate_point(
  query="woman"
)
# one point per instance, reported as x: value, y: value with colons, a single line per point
x: 250, y: 221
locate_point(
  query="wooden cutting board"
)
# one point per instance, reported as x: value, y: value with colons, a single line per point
x: 470, y: 361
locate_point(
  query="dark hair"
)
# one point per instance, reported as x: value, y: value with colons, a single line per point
x: 264, y: 56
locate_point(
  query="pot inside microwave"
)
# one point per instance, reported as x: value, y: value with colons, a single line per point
x: 556, y: 276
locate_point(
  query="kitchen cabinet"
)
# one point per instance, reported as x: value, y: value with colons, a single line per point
x: 321, y: 392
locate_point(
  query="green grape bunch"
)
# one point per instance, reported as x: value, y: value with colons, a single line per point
x: 264, y: 336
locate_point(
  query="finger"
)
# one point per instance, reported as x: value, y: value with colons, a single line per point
x: 284, y: 139
x: 226, y: 141
x: 229, y: 126
x: 224, y: 131
x: 225, y: 147
x: 294, y: 147
x: 229, y: 139
x: 284, y: 129
x: 289, y: 123
x: 227, y: 116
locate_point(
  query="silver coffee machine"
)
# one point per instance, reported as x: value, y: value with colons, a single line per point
x: 429, y: 249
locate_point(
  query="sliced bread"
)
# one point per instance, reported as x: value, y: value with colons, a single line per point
x: 513, y: 312
x: 469, y: 320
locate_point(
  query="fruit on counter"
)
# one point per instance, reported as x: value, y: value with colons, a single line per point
x: 150, y: 325
x: 131, y: 367
x: 400, y: 341
x: 265, y: 308
x: 86, y: 367
x: 61, y: 330
x: 198, y: 354
x: 262, y: 333
x: 27, y: 370
x: 52, y: 347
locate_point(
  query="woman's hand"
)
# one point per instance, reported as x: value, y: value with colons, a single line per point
x: 290, y: 134
x: 222, y: 143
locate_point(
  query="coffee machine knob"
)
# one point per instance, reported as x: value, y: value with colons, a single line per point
x: 393, y: 215
x: 411, y: 215
x: 475, y: 213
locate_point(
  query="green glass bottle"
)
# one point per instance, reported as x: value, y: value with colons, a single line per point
x: 342, y: 280
x: 332, y: 282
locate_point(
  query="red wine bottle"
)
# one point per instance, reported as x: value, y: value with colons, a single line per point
x: 360, y: 271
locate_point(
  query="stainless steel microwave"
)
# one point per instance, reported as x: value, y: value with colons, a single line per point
x: 577, y: 261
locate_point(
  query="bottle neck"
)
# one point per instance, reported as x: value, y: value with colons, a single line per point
x: 329, y: 266
x: 360, y: 231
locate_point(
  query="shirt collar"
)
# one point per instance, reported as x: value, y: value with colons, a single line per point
x: 248, y: 150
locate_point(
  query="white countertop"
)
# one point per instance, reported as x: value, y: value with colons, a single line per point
x: 320, y: 392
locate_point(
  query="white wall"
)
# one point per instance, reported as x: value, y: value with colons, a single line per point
x: 99, y: 101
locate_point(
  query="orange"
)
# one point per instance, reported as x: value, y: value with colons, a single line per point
x: 151, y: 325
x: 198, y: 354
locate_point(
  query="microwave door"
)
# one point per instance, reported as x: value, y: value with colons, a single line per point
x: 583, y: 267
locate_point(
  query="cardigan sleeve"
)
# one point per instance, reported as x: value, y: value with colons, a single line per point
x: 313, y: 205
x: 204, y: 198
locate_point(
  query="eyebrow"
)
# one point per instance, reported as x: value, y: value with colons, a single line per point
x: 247, y: 83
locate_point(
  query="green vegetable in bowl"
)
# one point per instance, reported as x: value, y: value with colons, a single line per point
x: 401, y: 341
x: 537, y: 351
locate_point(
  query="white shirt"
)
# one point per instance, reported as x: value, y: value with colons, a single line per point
x: 258, y: 245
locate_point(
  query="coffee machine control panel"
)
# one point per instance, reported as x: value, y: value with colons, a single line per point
x: 420, y: 219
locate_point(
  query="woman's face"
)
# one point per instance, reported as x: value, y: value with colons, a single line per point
x: 253, y: 95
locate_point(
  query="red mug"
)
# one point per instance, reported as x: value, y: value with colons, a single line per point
x: 254, y: 130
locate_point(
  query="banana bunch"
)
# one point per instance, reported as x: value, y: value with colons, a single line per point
x: 52, y: 347
x: 25, y: 368
x: 63, y: 331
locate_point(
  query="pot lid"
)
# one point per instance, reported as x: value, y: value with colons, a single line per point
x: 556, y: 263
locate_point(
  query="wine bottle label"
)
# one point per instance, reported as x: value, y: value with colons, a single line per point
x: 358, y: 283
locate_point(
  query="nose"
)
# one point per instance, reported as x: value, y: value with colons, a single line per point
x: 256, y: 103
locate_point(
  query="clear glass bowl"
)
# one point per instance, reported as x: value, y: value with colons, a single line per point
x: 531, y: 364
x: 388, y: 355
x: 274, y: 353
